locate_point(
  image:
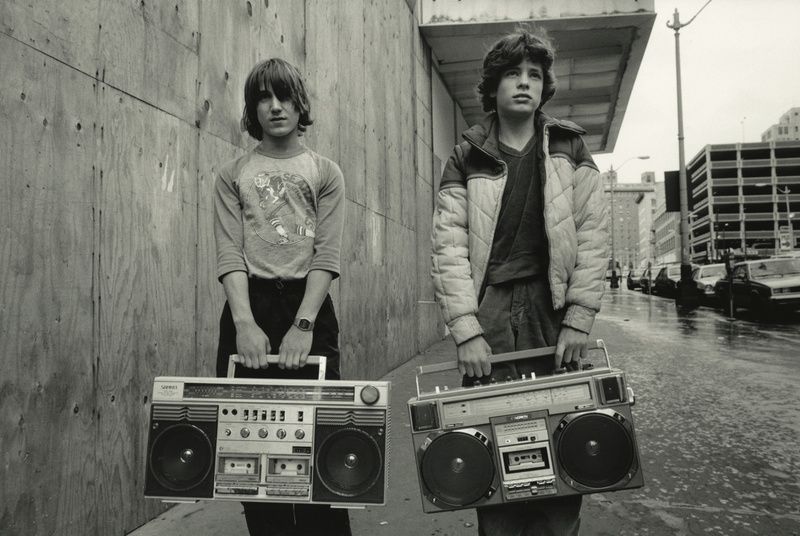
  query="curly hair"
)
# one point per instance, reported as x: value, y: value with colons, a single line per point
x: 509, y: 52
x: 287, y: 83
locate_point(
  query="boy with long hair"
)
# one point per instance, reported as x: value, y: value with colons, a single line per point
x: 519, y: 245
x: 279, y: 217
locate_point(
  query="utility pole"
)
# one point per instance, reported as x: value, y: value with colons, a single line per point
x: 786, y: 193
x: 612, y: 177
x: 687, y: 294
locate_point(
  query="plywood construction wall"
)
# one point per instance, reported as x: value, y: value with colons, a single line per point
x: 116, y: 115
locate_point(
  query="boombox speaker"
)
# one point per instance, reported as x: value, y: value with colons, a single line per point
x: 296, y: 441
x: 524, y: 439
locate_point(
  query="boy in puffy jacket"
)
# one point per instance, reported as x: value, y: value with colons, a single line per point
x: 519, y: 245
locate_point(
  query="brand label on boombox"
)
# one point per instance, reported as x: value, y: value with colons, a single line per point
x: 525, y: 439
x: 297, y: 441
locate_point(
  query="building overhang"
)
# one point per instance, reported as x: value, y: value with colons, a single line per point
x: 599, y: 48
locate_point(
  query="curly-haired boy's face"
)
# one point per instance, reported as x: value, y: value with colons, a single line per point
x: 519, y: 91
x: 278, y: 118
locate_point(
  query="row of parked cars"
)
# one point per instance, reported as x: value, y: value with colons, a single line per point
x: 761, y: 284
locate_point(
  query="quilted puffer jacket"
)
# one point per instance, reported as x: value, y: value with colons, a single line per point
x: 467, y: 208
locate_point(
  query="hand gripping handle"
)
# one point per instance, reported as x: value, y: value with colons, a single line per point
x: 272, y: 359
x: 510, y: 356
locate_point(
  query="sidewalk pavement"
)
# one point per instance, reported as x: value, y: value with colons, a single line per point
x: 403, y: 513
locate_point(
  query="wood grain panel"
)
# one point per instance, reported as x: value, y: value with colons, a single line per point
x: 393, y: 114
x: 149, y: 50
x: 352, y: 116
x: 322, y: 76
x: 67, y: 31
x: 147, y: 232
x: 352, y: 325
x: 46, y: 277
x: 376, y: 101
x: 430, y: 326
x: 407, y: 144
x: 401, y: 297
x: 213, y: 153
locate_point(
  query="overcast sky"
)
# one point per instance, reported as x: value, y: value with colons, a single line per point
x: 740, y: 71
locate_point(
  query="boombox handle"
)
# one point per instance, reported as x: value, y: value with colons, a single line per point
x: 509, y: 356
x: 272, y: 359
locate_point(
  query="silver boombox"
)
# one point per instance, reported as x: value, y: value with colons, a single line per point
x: 524, y: 439
x: 267, y: 440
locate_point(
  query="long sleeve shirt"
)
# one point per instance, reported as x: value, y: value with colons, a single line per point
x: 279, y: 217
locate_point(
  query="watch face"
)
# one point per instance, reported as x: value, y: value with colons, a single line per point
x: 304, y: 324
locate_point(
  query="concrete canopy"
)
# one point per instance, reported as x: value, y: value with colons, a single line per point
x: 599, y: 47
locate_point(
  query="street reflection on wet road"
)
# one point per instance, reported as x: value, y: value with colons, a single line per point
x: 774, y: 337
x: 717, y: 417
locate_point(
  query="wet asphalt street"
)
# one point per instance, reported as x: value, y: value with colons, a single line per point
x: 717, y: 417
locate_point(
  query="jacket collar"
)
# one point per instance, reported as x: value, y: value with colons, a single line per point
x: 483, y: 135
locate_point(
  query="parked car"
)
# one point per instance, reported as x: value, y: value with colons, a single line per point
x: 645, y: 281
x: 666, y: 280
x: 763, y: 284
x: 634, y: 279
x: 705, y: 277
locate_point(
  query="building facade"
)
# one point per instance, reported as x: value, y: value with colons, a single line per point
x: 787, y: 129
x: 625, y: 224
x: 742, y: 196
x: 666, y: 230
x: 646, y: 209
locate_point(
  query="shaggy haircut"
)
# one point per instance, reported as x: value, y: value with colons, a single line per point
x: 509, y: 52
x: 287, y: 83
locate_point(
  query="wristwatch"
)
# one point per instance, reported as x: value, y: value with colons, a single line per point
x: 303, y: 324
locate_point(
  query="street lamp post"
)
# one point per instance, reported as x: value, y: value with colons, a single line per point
x: 612, y: 179
x: 686, y: 295
x: 786, y: 193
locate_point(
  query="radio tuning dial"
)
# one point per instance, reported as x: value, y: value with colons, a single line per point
x: 299, y: 434
x: 370, y: 394
x: 245, y: 432
x: 281, y: 433
x: 262, y: 433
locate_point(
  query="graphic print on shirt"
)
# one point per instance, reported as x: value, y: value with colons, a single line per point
x: 286, y: 206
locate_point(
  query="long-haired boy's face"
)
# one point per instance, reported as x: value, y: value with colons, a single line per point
x: 519, y: 91
x: 278, y: 117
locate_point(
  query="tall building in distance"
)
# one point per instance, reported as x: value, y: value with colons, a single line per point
x: 745, y: 197
x: 666, y: 230
x: 625, y: 226
x: 646, y: 208
x: 787, y: 129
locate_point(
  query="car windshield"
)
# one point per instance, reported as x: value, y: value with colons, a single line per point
x: 774, y: 268
x: 712, y: 271
x: 674, y: 271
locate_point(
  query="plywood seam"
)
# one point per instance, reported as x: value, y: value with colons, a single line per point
x: 98, y: 80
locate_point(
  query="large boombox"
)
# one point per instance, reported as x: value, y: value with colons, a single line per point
x: 524, y: 439
x: 268, y: 440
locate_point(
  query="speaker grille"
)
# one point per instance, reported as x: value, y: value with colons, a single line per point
x: 350, y: 417
x: 457, y: 467
x: 181, y: 457
x: 195, y: 413
x: 595, y: 449
x: 349, y: 462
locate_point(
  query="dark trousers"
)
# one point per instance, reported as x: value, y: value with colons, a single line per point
x: 515, y: 316
x: 274, y: 305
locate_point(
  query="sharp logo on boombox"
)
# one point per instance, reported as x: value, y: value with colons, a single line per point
x: 260, y: 440
x: 525, y: 439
